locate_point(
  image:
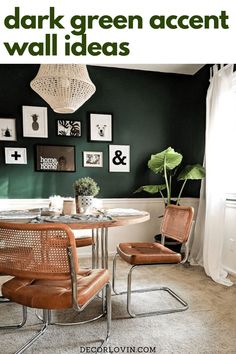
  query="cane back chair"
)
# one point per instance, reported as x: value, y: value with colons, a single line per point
x: 176, y: 224
x: 42, y: 259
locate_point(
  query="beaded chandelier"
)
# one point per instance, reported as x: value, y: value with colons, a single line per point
x: 65, y: 87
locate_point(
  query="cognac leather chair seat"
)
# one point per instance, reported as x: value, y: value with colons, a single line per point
x: 84, y: 241
x: 55, y: 294
x: 138, y: 253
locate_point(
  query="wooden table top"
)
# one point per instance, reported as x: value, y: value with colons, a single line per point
x: 116, y: 221
x: 124, y: 220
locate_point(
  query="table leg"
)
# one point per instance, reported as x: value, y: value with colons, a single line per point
x: 106, y: 248
x: 97, y: 248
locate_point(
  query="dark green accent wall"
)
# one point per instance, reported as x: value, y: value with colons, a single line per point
x: 151, y: 111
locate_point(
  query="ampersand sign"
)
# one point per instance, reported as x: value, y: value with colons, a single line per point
x: 118, y: 159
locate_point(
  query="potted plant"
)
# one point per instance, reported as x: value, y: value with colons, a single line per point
x: 85, y: 189
x: 166, y: 163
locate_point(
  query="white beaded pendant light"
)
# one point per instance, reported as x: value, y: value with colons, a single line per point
x: 65, y: 87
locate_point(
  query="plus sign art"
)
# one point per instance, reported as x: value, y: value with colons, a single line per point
x: 15, y: 155
x: 119, y: 158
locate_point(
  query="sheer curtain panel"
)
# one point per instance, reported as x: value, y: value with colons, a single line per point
x: 219, y: 152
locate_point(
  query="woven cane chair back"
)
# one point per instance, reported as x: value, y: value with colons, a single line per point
x: 36, y: 251
x: 177, y: 222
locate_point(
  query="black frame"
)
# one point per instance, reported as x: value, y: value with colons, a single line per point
x: 66, y: 152
x: 69, y: 121
x: 90, y: 126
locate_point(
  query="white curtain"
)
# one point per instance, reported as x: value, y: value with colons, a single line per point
x: 219, y: 154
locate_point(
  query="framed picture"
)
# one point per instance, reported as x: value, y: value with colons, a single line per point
x: 92, y: 159
x: 57, y: 158
x: 35, y: 122
x: 70, y: 128
x: 119, y: 158
x: 8, y: 129
x: 15, y: 155
x: 100, y: 127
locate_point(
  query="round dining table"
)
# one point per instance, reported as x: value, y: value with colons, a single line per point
x: 100, y: 232
x: 99, y: 224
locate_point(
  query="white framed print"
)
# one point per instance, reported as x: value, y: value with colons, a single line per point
x: 92, y: 159
x: 8, y: 129
x: 119, y: 158
x: 35, y: 122
x: 100, y: 127
x: 15, y: 155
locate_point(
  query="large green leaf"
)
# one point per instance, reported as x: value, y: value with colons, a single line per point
x: 192, y: 172
x: 151, y: 188
x: 169, y: 157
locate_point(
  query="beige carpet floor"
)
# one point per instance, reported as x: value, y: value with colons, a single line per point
x: 208, y: 326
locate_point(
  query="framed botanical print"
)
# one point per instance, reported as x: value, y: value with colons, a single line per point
x: 100, y: 126
x: 66, y: 127
x: 8, y: 129
x: 35, y: 122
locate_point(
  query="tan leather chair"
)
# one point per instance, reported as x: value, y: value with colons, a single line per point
x: 46, y: 274
x: 176, y: 224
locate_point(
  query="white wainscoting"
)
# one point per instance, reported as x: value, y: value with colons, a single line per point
x: 140, y: 232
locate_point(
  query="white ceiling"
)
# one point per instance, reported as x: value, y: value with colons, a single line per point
x: 189, y: 69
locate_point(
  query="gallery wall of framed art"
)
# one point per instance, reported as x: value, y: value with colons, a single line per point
x: 124, y: 113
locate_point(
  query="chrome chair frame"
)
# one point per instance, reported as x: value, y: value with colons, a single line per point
x: 47, y: 313
x: 130, y: 291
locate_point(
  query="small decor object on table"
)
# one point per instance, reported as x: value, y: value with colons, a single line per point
x: 85, y: 189
x: 70, y: 128
x: 35, y: 122
x: 8, y: 129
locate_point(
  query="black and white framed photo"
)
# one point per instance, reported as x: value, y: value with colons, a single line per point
x: 68, y: 127
x: 15, y: 155
x: 35, y: 122
x: 8, y: 129
x: 57, y: 158
x: 119, y: 158
x: 92, y: 159
x: 100, y: 127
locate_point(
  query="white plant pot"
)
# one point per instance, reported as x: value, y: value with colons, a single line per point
x: 84, y: 204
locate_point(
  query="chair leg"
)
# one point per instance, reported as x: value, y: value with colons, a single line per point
x: 114, y: 276
x: 130, y: 291
x: 108, y: 310
x: 46, y: 318
x: 4, y: 300
x: 163, y: 288
x: 17, y: 325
